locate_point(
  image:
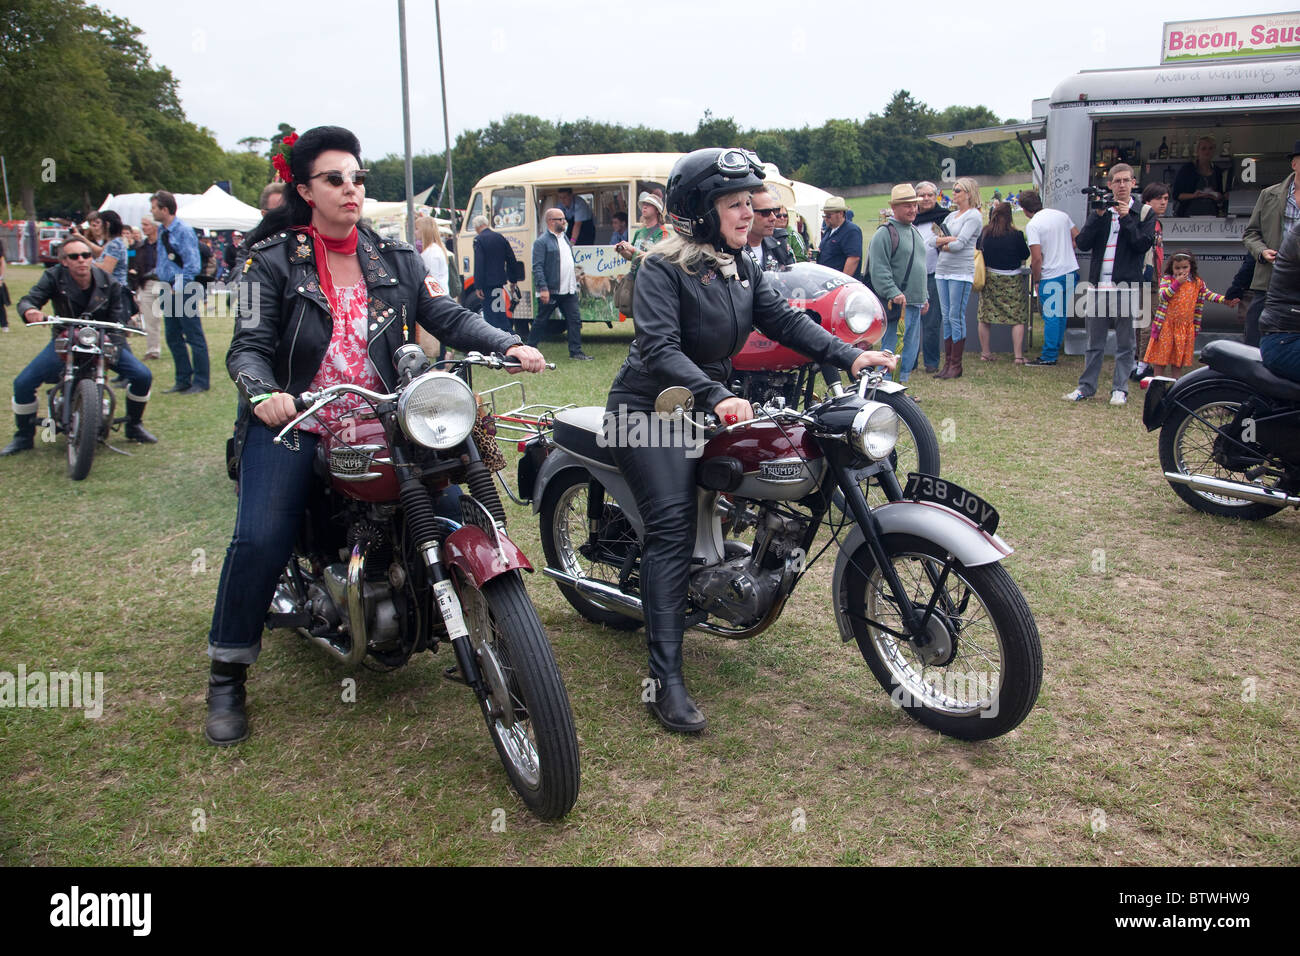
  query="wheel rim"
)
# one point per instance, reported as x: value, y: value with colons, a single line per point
x: 508, y: 710
x: 970, y: 680
x: 569, y: 530
x: 1194, y: 449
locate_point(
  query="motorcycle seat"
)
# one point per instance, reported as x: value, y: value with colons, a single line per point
x: 1243, y: 362
x: 581, y: 431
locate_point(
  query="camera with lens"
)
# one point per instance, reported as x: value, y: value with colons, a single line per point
x: 1099, y: 197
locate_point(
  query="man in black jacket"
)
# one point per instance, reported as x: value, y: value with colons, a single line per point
x: 76, y: 288
x: 1279, y: 322
x: 494, y: 264
x: 1118, y: 237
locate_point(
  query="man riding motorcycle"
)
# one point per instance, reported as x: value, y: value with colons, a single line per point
x: 76, y: 288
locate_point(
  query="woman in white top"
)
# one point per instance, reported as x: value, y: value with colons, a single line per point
x: 954, y: 273
x: 434, y: 254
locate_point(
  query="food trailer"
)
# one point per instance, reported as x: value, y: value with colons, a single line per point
x: 1235, y: 80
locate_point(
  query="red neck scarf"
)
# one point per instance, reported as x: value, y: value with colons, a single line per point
x: 346, y: 246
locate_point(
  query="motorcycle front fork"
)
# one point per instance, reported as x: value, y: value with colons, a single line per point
x: 914, y: 623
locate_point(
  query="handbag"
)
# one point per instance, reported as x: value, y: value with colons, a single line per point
x: 980, y: 274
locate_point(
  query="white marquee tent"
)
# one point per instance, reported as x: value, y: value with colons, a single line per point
x: 133, y: 207
x: 217, y: 209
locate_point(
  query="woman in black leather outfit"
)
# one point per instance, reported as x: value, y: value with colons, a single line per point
x: 696, y: 301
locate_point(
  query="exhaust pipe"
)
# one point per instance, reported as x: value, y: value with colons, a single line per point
x: 1234, y: 489
x: 347, y: 595
x: 598, y: 592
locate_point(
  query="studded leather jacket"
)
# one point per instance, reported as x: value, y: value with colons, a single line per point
x: 283, y: 323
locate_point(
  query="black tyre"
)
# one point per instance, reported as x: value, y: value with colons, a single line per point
x: 526, y: 707
x: 83, y: 429
x: 980, y: 674
x: 1187, y: 447
x: 563, y: 517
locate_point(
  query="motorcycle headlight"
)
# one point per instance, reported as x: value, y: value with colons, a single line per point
x: 437, y: 410
x: 87, y: 336
x: 858, y: 313
x: 875, y: 430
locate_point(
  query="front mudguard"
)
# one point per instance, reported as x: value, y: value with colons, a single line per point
x: 1166, y: 394
x: 472, y: 550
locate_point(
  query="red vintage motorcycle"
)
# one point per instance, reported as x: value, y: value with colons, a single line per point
x: 765, y: 371
x: 379, y: 574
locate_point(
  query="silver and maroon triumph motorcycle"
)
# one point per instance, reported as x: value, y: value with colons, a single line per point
x: 378, y: 575
x: 917, y: 581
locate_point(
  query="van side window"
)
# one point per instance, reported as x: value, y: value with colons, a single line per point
x: 476, y: 209
x: 508, y: 207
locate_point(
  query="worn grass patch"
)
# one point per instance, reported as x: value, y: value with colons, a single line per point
x: 1167, y: 711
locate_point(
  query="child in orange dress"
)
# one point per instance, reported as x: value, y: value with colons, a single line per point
x: 1178, y: 315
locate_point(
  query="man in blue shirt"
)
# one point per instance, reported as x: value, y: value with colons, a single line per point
x: 842, y: 244
x: 178, y: 265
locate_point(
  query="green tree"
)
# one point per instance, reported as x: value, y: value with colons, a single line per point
x: 837, y: 158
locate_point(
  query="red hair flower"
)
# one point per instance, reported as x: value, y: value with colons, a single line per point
x: 281, y: 159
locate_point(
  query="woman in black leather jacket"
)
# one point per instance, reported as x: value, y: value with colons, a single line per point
x: 321, y: 302
x: 696, y: 302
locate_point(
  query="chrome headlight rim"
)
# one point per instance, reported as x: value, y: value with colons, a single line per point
x: 457, y: 400
x: 87, y: 336
x: 874, y: 431
x: 858, y: 311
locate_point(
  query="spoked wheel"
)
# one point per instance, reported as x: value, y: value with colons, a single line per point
x: 1187, y: 441
x: 526, y: 707
x: 977, y: 675
x: 565, y: 544
x: 83, y: 429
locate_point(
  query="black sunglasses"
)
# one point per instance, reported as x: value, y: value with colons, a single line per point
x: 767, y: 212
x: 336, y: 178
x: 78, y: 255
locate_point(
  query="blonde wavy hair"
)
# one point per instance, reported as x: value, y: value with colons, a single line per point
x: 429, y: 232
x: 972, y: 189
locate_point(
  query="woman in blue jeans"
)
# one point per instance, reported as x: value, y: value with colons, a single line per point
x: 955, y: 271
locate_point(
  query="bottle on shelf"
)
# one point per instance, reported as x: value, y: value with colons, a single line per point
x: 1163, y: 151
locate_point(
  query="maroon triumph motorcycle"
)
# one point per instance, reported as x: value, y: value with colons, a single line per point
x: 917, y: 581
x: 378, y: 575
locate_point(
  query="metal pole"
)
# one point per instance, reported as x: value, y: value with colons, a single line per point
x: 446, y: 124
x: 406, y: 125
x: 5, y: 171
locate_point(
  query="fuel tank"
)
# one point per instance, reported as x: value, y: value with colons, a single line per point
x: 828, y: 297
x: 353, y: 473
x: 768, y: 464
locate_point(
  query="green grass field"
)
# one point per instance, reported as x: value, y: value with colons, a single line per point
x: 1165, y: 732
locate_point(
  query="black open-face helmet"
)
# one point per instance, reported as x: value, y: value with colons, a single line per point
x: 696, y: 182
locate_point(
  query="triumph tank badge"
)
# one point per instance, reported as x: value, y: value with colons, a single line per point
x: 780, y: 470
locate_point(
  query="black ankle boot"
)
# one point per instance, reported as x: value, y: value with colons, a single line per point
x: 669, y: 701
x: 227, y: 723
x: 24, y: 435
x: 135, y: 431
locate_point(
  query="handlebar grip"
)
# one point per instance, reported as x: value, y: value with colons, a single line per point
x: 300, y: 404
x: 831, y: 374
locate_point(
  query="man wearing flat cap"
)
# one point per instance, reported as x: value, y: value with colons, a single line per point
x: 896, y: 265
x: 841, y: 247
x: 1276, y: 210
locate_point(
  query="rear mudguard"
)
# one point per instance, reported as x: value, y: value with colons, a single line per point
x: 472, y: 550
x: 960, y: 536
x: 613, y: 482
x: 1164, y: 394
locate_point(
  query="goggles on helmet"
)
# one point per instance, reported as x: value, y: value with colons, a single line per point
x: 732, y: 163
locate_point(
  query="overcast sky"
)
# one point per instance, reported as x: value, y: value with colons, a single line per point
x: 246, y: 65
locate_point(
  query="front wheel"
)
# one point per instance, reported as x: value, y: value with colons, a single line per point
x: 977, y: 674
x: 1187, y: 441
x: 525, y: 705
x: 83, y: 429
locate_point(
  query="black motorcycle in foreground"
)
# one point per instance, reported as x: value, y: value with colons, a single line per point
x: 917, y: 581
x: 82, y: 404
x: 1229, y: 434
x: 378, y: 575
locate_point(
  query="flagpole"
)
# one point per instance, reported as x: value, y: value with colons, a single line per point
x: 406, y: 126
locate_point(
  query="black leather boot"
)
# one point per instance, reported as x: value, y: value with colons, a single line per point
x: 134, y: 430
x: 669, y: 701
x: 227, y: 722
x: 24, y: 435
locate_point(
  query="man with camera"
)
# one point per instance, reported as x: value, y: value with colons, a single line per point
x: 1118, y: 237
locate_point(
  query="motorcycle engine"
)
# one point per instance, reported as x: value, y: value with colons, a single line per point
x: 741, y: 590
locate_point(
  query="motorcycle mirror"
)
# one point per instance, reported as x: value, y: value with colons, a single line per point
x: 674, y: 402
